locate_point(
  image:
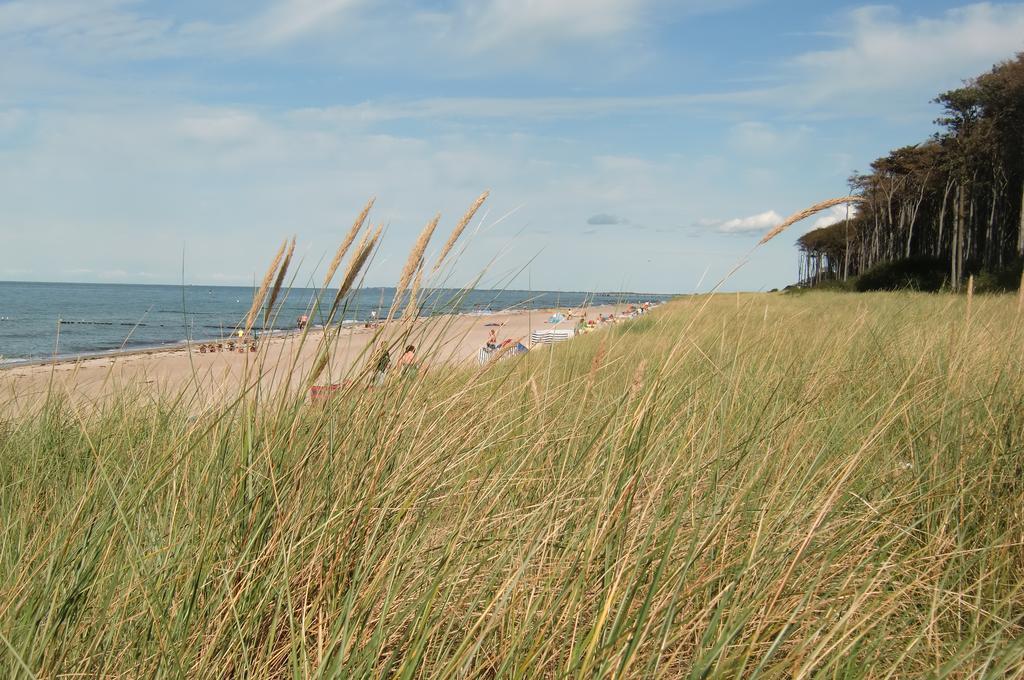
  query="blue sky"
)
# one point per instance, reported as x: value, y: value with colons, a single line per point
x: 627, y: 144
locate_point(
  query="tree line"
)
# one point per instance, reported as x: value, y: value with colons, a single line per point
x: 933, y: 213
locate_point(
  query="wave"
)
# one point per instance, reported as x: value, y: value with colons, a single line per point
x: 130, y: 324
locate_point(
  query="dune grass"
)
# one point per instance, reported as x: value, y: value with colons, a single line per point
x: 760, y: 486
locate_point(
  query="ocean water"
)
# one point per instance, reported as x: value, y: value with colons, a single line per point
x: 42, y: 320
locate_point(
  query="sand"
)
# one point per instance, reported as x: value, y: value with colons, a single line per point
x: 205, y: 379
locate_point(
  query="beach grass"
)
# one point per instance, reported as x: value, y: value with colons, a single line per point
x: 759, y: 485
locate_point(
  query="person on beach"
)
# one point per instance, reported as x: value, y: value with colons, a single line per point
x: 303, y: 320
x: 492, y: 339
x: 407, y: 364
x: 383, y: 362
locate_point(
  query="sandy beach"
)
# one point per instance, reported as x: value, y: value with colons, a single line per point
x: 206, y: 378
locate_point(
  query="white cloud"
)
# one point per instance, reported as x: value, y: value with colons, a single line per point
x: 606, y: 219
x: 286, y: 20
x: 461, y: 38
x: 884, y: 51
x: 103, y: 159
x: 834, y: 215
x: 220, y: 126
x: 524, y: 30
x: 491, y: 24
x: 742, y: 225
x: 11, y: 120
x: 86, y: 29
x: 877, y: 50
x: 518, y: 108
x: 21, y: 16
x: 764, y: 138
x: 146, y: 189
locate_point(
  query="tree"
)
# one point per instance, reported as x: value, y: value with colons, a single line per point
x: 958, y: 197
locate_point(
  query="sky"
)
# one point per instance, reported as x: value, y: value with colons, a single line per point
x: 640, y: 145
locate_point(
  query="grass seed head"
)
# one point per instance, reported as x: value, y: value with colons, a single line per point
x: 347, y: 243
x: 410, y: 312
x: 805, y: 213
x: 459, y: 228
x: 355, y: 266
x: 637, y: 384
x: 414, y: 260
x: 261, y: 292
x: 279, y: 282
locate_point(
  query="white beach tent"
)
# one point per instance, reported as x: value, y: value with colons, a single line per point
x: 547, y: 337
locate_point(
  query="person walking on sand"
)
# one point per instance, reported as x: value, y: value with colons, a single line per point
x: 383, y: 362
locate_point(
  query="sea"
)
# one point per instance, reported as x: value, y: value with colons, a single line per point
x: 40, y: 321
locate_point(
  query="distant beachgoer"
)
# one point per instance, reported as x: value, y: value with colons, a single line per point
x: 492, y: 339
x: 383, y: 362
x: 303, y: 320
x: 407, y: 364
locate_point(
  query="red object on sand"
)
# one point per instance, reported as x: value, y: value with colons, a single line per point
x: 322, y: 392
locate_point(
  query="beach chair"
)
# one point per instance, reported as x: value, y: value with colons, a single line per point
x: 486, y: 354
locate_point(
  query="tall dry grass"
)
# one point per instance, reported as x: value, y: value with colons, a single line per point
x: 817, y: 485
x: 829, y: 487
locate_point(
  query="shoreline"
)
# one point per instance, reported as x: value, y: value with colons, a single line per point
x: 444, y: 339
x: 135, y: 351
x: 174, y: 347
